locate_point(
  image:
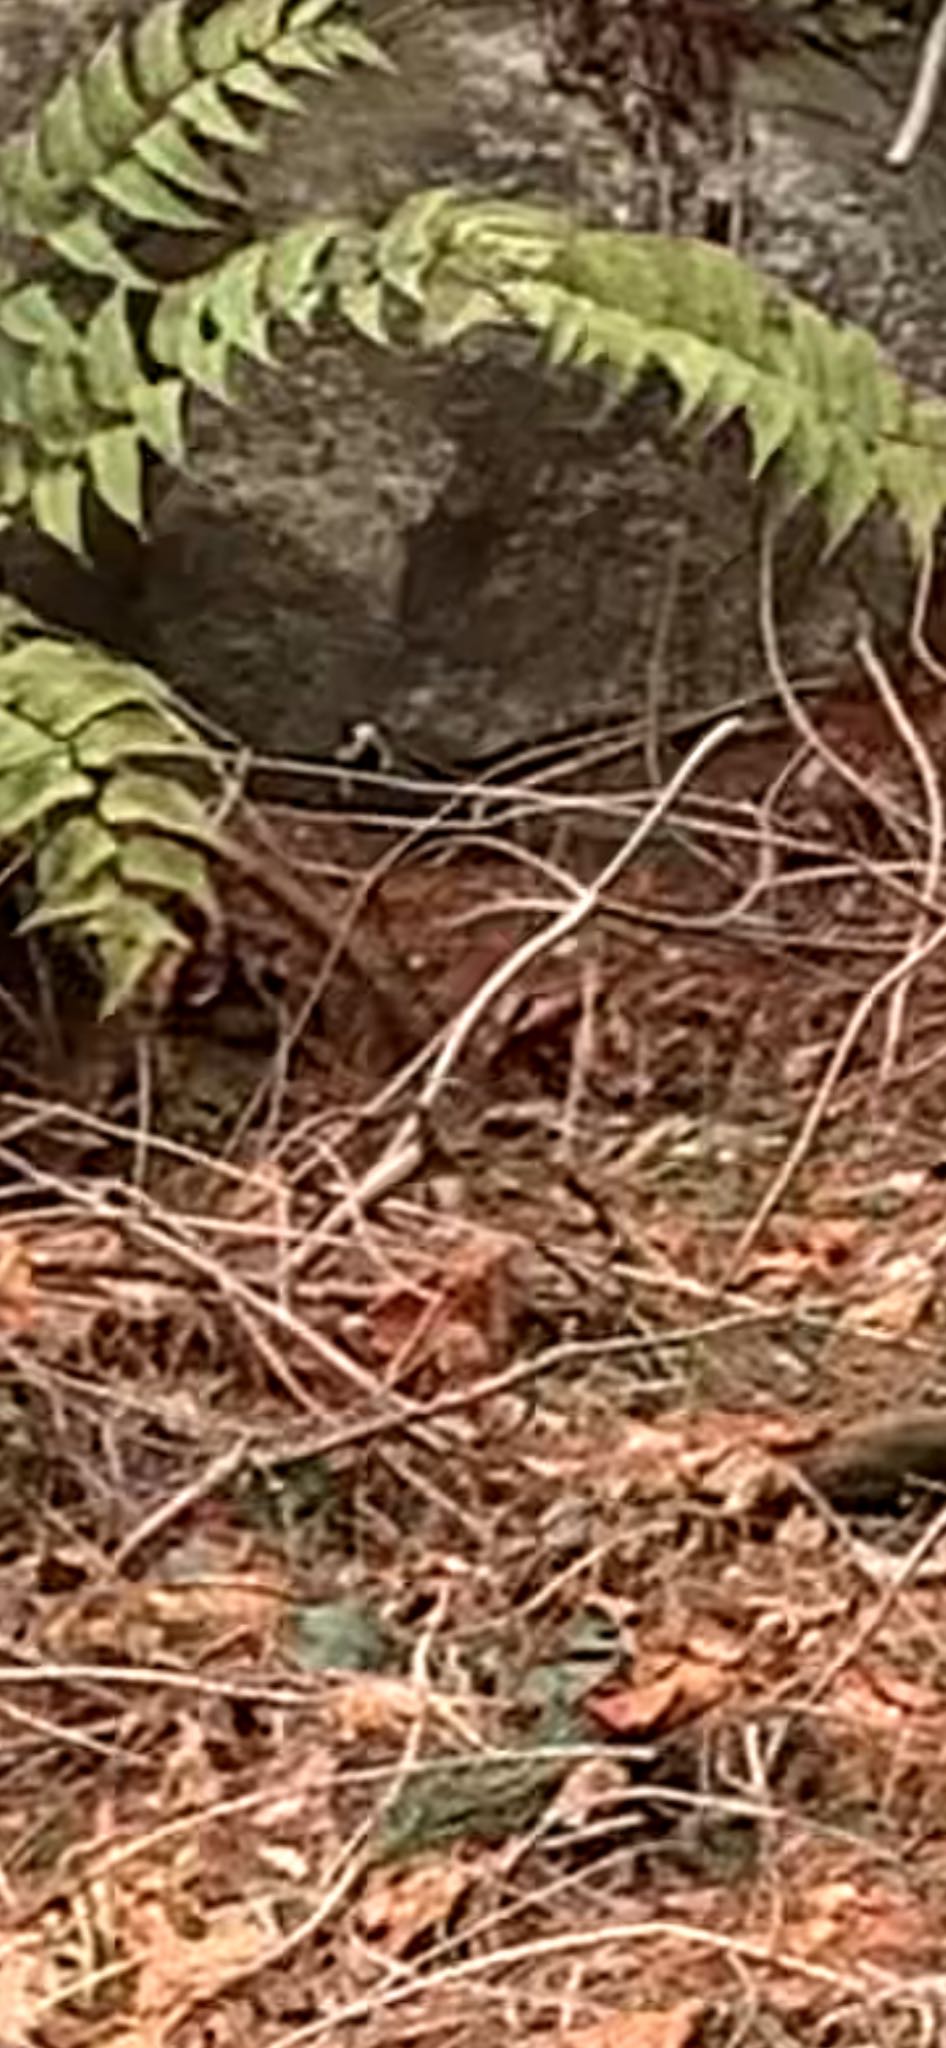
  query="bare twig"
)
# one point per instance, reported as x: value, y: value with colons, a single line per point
x: 161, y: 1518
x: 152, y: 1677
x: 856, y: 1643
x: 351, y: 1865
x: 657, y: 661
x: 904, y: 1575
x: 273, y: 879
x: 571, y: 1941
x: 930, y: 783
x: 926, y: 85
x: 583, y: 1044
x: 406, y: 1149
x: 859, y: 1017
x: 892, y: 814
x: 921, y: 604
x: 69, y: 1738
x: 920, y: 949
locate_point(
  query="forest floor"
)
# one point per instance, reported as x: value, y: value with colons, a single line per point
x: 437, y: 1605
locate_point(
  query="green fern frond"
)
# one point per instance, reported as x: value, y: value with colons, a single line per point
x: 131, y: 131
x: 117, y: 851
x: 82, y: 407
x: 90, y: 392
x: 139, y: 133
x: 202, y: 326
x: 814, y: 393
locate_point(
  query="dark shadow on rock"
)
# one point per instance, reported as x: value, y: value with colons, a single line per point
x: 252, y: 633
x: 274, y: 644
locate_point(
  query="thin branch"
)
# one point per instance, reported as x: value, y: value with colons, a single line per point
x: 919, y: 950
x: 862, y: 1011
x: 892, y: 815
x: 571, y: 1941
x: 214, y: 1475
x: 406, y: 1149
x: 919, y: 644
x: 922, y: 104
x: 930, y: 783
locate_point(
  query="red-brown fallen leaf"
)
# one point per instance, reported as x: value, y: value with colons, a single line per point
x: 881, y: 1700
x: 398, y: 1907
x: 178, y: 1971
x: 651, y: 2027
x: 845, y: 1919
x: 905, y: 1288
x: 644, y: 1460
x: 455, y: 1315
x: 681, y: 1694
x: 820, y: 1247
x: 651, y: 1459
x: 744, y: 1480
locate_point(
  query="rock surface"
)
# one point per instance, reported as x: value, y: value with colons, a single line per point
x: 468, y: 549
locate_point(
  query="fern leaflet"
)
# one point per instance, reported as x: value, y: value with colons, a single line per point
x: 117, y: 851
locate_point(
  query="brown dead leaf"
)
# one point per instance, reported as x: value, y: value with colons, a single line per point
x: 830, y: 1907
x: 651, y: 2027
x: 734, y: 1457
x: 373, y: 1704
x: 744, y: 1480
x: 595, y: 1785
x: 845, y: 1919
x: 785, y: 1432
x: 905, y: 1286
x: 718, y: 1430
x: 912, y: 1695
x: 892, y: 1927
x: 818, y: 1250
x: 655, y: 1458
x: 205, y: 1585
x: 645, y: 1460
x: 179, y: 1971
x: 399, y: 1907
x: 882, y: 1701
x: 680, y: 1695
x: 207, y: 1589
x: 455, y: 1315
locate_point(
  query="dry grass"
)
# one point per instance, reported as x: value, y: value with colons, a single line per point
x: 416, y: 1625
